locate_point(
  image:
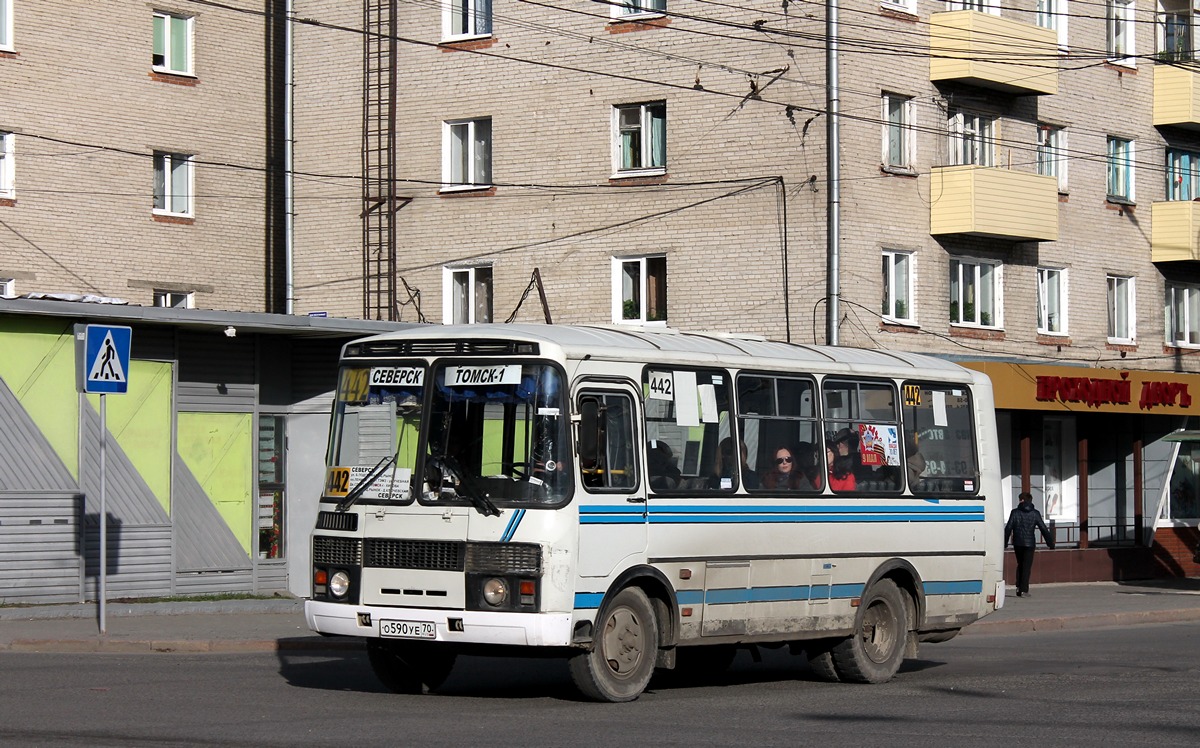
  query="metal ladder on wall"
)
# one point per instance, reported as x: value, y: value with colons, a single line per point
x: 379, y: 202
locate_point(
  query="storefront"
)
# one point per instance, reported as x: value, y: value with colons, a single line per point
x: 1112, y: 461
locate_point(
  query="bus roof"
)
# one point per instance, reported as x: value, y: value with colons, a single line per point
x: 669, y: 345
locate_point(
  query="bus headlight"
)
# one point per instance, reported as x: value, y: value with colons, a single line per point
x: 495, y: 592
x: 339, y: 584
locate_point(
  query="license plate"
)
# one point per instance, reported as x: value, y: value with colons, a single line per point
x: 407, y: 629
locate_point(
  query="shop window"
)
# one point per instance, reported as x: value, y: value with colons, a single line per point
x: 272, y: 480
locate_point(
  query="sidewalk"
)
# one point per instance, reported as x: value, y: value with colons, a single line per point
x: 278, y: 624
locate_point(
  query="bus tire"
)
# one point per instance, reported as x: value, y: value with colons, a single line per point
x: 874, y: 653
x: 409, y: 668
x: 621, y: 659
x: 820, y: 659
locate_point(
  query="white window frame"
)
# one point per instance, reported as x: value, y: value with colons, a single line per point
x: 1177, y: 14
x: 169, y: 64
x: 646, y: 137
x: 972, y: 139
x: 898, y: 288
x: 8, y: 287
x: 475, y: 17
x: 8, y: 167
x: 1120, y: 32
x: 1121, y: 288
x: 970, y: 272
x: 1183, y: 174
x: 6, y: 25
x: 174, y: 299
x: 991, y: 7
x: 1051, y: 288
x: 624, y: 9
x: 1120, y: 170
x: 642, y: 292
x: 460, y: 279
x: 466, y: 170
x: 1183, y: 330
x: 905, y: 6
x: 898, y: 132
x: 166, y: 190
x: 1052, y: 14
x: 1052, y: 153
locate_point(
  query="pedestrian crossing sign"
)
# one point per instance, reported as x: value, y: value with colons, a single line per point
x: 106, y: 359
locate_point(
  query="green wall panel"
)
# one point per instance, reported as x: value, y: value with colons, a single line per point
x: 38, y: 364
x: 216, y: 447
x: 140, y: 420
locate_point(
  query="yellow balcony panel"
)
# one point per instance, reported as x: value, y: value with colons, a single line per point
x: 1176, y: 97
x: 1173, y: 231
x: 993, y: 52
x: 993, y: 202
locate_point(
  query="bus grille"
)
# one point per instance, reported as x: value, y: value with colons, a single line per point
x: 504, y: 558
x: 434, y: 555
x: 337, y: 551
x: 344, y: 521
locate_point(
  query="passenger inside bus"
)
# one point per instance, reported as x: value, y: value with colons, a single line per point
x: 728, y: 467
x: 660, y: 462
x: 786, y: 473
x: 809, y: 465
x: 841, y: 456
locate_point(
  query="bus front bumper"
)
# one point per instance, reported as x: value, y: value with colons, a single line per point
x: 461, y: 626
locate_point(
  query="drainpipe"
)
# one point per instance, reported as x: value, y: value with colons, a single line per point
x: 833, y: 175
x: 289, y: 204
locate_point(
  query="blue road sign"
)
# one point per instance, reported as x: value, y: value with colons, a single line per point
x: 106, y: 359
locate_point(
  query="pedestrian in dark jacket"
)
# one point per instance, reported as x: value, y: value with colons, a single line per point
x: 1022, y: 521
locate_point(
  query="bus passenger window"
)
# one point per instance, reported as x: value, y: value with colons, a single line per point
x: 939, y: 439
x: 862, y: 437
x: 781, y: 434
x: 687, y: 416
x: 606, y: 459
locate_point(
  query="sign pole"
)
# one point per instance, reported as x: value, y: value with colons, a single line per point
x: 102, y: 592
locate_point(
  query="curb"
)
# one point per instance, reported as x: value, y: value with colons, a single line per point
x: 101, y: 644
x: 1097, y: 620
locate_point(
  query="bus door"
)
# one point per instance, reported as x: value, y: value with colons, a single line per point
x: 613, y: 513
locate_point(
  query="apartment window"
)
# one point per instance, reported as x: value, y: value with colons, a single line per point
x: 1052, y: 14
x: 172, y: 183
x: 467, y: 153
x: 975, y: 289
x: 641, y: 137
x: 1120, y: 309
x: 1051, y: 154
x: 175, y: 299
x: 8, y: 287
x: 1183, y: 314
x: 983, y: 6
x: 467, y: 18
x: 908, y: 6
x: 1052, y: 301
x: 467, y: 295
x: 626, y: 8
x: 6, y: 29
x: 898, y: 285
x: 1183, y: 174
x: 1174, y: 30
x: 172, y: 44
x: 897, y: 131
x: 640, y: 290
x: 1120, y: 31
x: 972, y: 139
x: 1120, y: 169
x: 8, y: 186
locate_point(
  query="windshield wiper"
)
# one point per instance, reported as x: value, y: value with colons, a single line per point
x: 367, y: 481
x: 478, y: 499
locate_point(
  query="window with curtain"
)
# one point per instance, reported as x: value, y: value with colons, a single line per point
x: 173, y: 183
x: 467, y: 157
x: 641, y: 137
x: 1183, y: 174
x: 465, y: 18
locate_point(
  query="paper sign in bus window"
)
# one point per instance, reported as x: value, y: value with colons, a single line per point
x: 708, y: 403
x: 687, y: 401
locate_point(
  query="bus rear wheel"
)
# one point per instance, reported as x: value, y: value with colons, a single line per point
x: 621, y: 660
x: 408, y: 667
x: 874, y: 653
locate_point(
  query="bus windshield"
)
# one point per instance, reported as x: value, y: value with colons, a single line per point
x: 493, y: 433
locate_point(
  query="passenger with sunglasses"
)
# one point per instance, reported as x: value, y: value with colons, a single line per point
x: 785, y: 473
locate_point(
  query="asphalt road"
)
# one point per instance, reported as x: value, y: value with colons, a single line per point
x: 1124, y: 686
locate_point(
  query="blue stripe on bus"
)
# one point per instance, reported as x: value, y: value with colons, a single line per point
x: 513, y: 523
x: 798, y: 593
x: 830, y: 514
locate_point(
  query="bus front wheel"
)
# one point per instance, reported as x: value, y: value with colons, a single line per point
x: 405, y: 667
x: 621, y: 660
x: 874, y: 653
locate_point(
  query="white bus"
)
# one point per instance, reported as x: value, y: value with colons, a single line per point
x: 637, y: 499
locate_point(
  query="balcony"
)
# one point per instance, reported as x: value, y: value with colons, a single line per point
x: 993, y: 202
x: 1176, y: 96
x: 1173, y: 231
x: 984, y: 50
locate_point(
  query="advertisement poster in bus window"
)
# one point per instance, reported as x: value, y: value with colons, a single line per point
x: 880, y: 444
